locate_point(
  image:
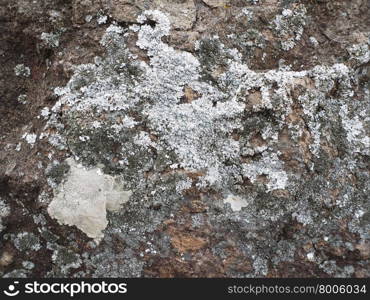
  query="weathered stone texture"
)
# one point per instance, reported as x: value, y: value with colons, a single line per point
x: 215, y: 138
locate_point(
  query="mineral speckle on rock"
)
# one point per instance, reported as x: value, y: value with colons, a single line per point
x: 191, y: 138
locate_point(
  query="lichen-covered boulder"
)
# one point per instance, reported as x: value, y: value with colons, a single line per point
x: 186, y: 138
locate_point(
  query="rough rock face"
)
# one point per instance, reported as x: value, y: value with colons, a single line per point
x: 182, y: 13
x: 239, y: 131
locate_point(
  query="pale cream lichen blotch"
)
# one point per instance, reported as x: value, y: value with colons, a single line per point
x: 84, y: 197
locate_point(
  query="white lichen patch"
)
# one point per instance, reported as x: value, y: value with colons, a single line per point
x: 30, y: 138
x: 22, y: 71
x: 357, y: 129
x: 248, y: 13
x: 50, y: 40
x: 311, y: 256
x: 45, y: 112
x: 102, y: 19
x: 22, y: 98
x: 360, y: 52
x: 313, y: 41
x: 84, y: 197
x: 4, y: 212
x: 303, y: 216
x: 272, y: 167
x: 183, y: 185
x: 289, y: 25
x: 236, y: 202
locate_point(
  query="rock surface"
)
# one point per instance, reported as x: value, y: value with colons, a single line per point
x: 240, y: 128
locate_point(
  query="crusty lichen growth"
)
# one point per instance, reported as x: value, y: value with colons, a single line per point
x: 50, y: 40
x: 22, y: 71
x: 289, y: 26
x: 4, y: 212
x: 27, y: 241
x: 198, y: 133
x: 278, y: 146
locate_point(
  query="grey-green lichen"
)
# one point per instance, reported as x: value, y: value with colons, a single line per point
x: 197, y: 133
x: 206, y: 121
x: 22, y: 98
x: 289, y: 25
x: 63, y: 260
x: 4, y: 212
x: 22, y: 71
x: 51, y: 40
x: 27, y: 241
x: 360, y: 52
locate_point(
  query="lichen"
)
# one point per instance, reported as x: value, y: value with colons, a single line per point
x: 4, y: 212
x: 50, y: 40
x: 271, y: 166
x: 22, y: 98
x: 30, y: 138
x: 289, y: 25
x: 64, y: 260
x: 283, y: 149
x: 22, y: 71
x: 360, y: 52
x: 27, y: 241
x: 84, y: 198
